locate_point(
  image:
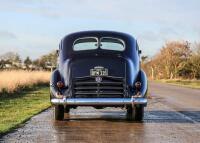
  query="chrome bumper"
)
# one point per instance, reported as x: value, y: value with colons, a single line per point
x: 99, y: 101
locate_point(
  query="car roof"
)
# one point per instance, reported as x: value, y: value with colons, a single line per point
x: 66, y: 43
x: 99, y: 33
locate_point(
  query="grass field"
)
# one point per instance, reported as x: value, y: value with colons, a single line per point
x: 18, y: 108
x: 12, y: 81
x: 185, y: 83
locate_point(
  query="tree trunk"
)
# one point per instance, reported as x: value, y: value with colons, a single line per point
x: 171, y: 75
x: 152, y: 73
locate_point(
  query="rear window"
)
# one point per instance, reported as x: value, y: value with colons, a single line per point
x: 86, y: 43
x: 92, y: 43
x: 110, y: 43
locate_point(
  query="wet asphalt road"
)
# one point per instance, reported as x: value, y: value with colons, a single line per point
x: 172, y: 116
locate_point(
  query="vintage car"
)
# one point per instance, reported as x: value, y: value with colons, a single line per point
x: 99, y: 69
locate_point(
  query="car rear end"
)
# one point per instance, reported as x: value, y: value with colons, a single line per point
x: 98, y: 77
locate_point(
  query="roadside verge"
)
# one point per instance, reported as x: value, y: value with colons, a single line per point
x: 184, y: 83
x: 19, y: 107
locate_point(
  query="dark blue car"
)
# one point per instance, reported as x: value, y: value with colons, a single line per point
x: 99, y: 69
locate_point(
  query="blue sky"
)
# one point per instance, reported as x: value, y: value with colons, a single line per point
x: 35, y: 27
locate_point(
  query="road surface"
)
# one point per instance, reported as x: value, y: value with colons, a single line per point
x: 172, y: 116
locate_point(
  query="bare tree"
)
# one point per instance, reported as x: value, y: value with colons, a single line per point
x: 166, y: 63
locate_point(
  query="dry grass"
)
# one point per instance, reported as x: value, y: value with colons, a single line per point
x: 11, y: 81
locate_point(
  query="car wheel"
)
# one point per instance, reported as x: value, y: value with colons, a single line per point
x: 59, y: 112
x: 135, y: 113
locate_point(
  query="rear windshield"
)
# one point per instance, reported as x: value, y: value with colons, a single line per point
x: 110, y: 43
x: 86, y: 43
x: 91, y: 43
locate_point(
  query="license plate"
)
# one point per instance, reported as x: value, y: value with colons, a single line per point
x: 99, y: 72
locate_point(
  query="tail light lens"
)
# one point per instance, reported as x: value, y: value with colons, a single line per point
x: 60, y: 84
x: 138, y: 85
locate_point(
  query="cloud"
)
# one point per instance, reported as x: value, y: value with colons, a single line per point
x: 151, y: 21
x: 7, y: 35
x: 165, y: 12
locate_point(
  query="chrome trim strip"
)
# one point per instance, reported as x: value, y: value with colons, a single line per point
x: 117, y: 77
x: 99, y: 101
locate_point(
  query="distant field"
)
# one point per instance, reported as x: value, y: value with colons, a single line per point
x: 12, y: 81
x: 184, y: 83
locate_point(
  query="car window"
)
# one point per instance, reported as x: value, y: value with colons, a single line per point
x: 110, y: 43
x: 87, y: 43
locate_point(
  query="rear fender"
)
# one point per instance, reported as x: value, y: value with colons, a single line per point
x: 55, y: 77
x: 143, y: 79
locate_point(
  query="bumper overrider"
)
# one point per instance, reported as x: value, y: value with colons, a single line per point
x: 99, y: 101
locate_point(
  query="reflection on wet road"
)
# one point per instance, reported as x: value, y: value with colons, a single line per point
x: 164, y: 121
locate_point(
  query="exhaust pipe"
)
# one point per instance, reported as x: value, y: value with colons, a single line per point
x: 99, y: 101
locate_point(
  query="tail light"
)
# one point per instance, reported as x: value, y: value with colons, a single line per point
x: 60, y: 84
x: 138, y: 85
